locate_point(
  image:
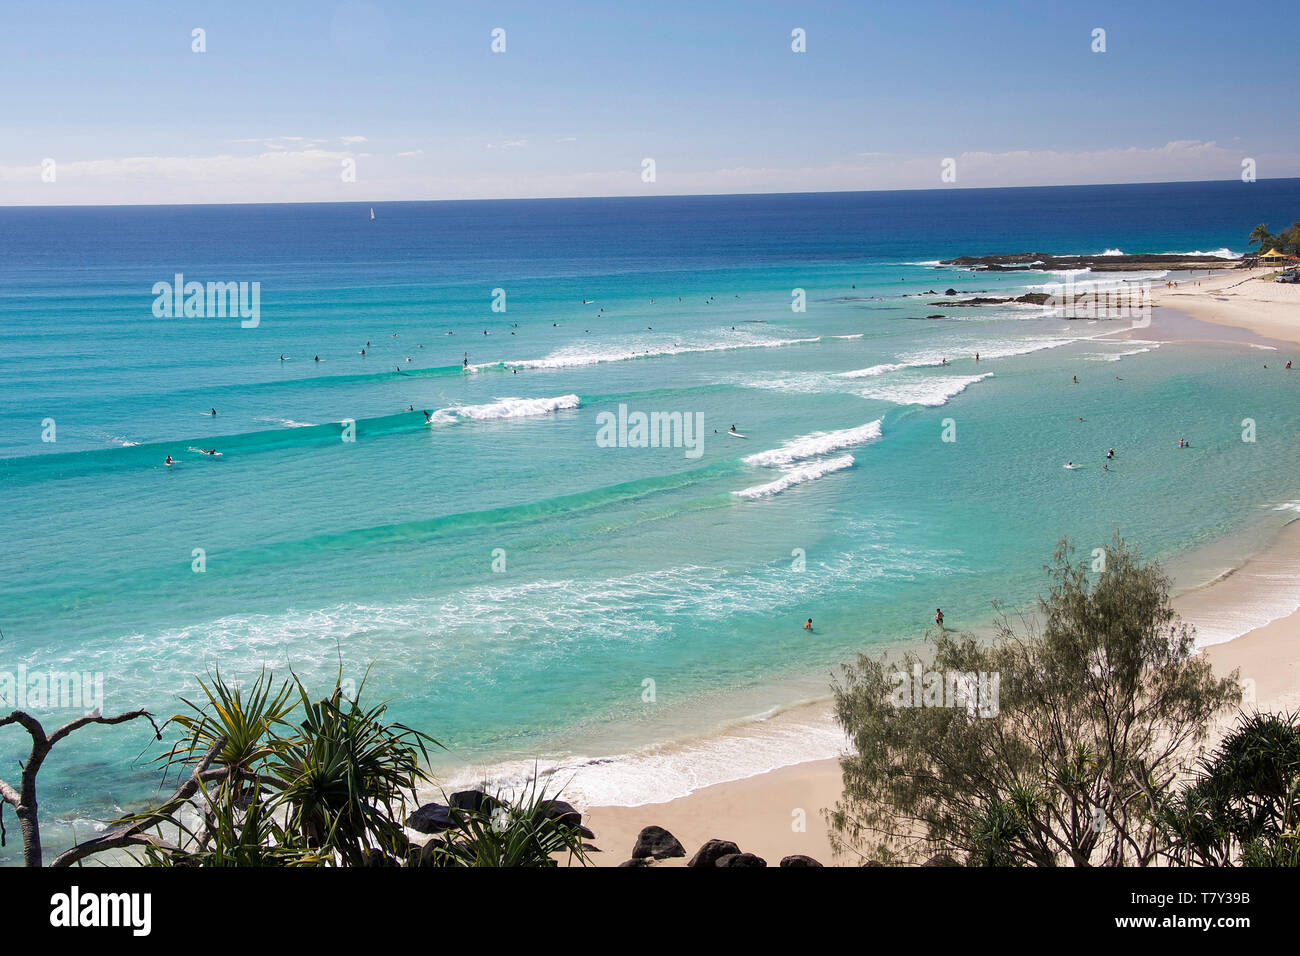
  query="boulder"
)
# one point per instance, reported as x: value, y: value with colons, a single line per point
x: 950, y: 292
x: 740, y: 859
x: 425, y: 855
x: 560, y: 810
x: 941, y: 859
x: 637, y: 862
x: 656, y: 842
x: 475, y: 801
x: 798, y: 860
x: 708, y: 854
x: 431, y: 818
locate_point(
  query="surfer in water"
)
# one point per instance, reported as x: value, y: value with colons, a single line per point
x: 208, y: 451
x: 168, y: 461
x: 1110, y: 455
x: 317, y: 358
x: 733, y: 429
x: 427, y: 418
x: 213, y: 413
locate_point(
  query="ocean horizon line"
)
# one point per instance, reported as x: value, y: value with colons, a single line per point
x: 954, y: 187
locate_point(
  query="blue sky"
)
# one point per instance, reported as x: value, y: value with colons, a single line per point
x: 286, y: 92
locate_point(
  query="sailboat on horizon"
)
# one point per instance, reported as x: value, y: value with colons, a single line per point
x: 372, y: 213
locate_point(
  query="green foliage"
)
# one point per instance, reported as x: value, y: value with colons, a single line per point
x: 1244, y: 804
x: 345, y: 776
x: 285, y: 780
x: 518, y: 832
x: 277, y: 778
x: 1287, y: 241
x: 1100, y: 699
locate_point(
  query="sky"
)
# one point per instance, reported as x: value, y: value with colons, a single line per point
x: 373, y: 101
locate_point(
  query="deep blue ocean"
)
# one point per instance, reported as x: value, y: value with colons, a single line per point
x: 511, y: 581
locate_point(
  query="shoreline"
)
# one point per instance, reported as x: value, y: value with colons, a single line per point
x: 760, y: 812
x: 757, y: 811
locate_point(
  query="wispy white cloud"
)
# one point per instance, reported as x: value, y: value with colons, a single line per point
x: 351, y: 140
x: 313, y: 174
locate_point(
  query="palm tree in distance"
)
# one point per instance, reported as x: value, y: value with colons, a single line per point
x: 1261, y: 235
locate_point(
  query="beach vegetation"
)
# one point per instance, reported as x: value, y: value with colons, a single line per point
x: 271, y: 775
x: 1103, y: 704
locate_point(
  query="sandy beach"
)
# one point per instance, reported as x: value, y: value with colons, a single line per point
x: 782, y: 812
x: 1239, y: 299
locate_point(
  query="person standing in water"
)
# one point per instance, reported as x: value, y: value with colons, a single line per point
x: 938, y: 618
x: 807, y: 625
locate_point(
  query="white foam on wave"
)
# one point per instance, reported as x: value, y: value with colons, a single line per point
x: 504, y: 408
x: 286, y: 422
x: 817, y: 443
x: 578, y: 357
x: 931, y: 391
x: 874, y: 370
x: 1097, y: 282
x: 992, y: 349
x: 856, y: 335
x: 803, y: 383
x: 1223, y: 253
x: 1116, y: 356
x: 797, y: 476
x: 657, y: 774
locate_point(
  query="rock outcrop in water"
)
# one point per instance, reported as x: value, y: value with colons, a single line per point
x: 1042, y: 262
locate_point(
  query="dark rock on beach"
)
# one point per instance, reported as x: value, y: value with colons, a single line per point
x: 740, y: 859
x: 474, y: 801
x: 656, y: 842
x: 635, y: 862
x: 709, y: 854
x: 941, y: 859
x: 798, y: 860
x: 431, y: 818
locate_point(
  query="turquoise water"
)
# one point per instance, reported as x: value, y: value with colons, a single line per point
x: 510, y: 581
